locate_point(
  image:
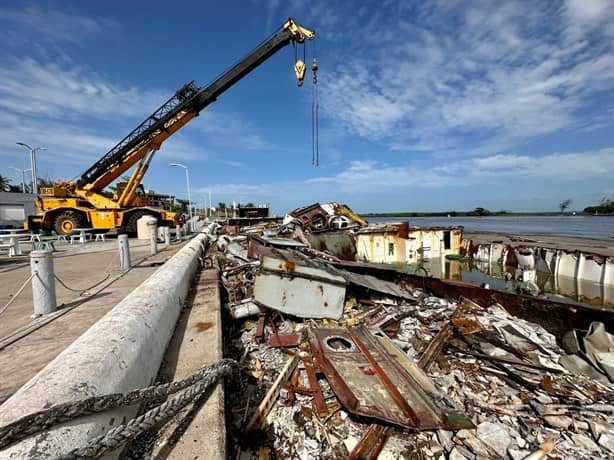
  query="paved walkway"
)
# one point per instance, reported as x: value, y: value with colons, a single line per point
x: 79, y: 267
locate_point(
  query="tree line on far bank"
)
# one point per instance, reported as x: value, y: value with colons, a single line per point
x: 606, y: 206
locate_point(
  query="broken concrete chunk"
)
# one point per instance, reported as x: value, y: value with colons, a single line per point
x: 445, y: 439
x: 585, y: 442
x: 455, y: 454
x: 515, y: 454
x: 607, y: 441
x: 494, y: 435
x: 561, y: 422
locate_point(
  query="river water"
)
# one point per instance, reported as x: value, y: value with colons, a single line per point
x: 578, y: 226
x: 504, y: 278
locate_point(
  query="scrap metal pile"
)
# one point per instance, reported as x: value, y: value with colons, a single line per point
x: 341, y: 364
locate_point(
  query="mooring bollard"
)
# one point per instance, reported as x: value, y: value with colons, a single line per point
x: 166, y: 232
x: 153, y: 240
x: 43, y: 282
x: 124, y: 252
x: 178, y: 232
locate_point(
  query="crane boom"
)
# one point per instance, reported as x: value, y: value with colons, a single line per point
x: 84, y: 202
x: 185, y: 104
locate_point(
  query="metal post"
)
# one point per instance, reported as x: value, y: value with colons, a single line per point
x: 153, y: 240
x: 124, y: 253
x: 187, y: 180
x: 14, y: 246
x: 43, y: 282
x: 33, y: 167
x: 23, y: 177
x: 166, y: 231
x: 34, y: 178
x: 178, y: 232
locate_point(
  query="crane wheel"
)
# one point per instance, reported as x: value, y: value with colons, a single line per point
x: 134, y: 217
x: 66, y: 222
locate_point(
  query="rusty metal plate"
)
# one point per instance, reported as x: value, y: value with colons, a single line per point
x: 292, y: 283
x: 278, y: 340
x: 373, y: 378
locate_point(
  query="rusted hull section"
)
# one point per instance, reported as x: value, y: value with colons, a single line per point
x: 373, y: 378
x: 556, y: 317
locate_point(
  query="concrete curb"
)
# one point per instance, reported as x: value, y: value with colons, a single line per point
x: 121, y: 352
x: 201, y: 432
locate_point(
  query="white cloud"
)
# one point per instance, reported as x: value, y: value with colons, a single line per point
x: 364, y: 176
x: 32, y: 87
x: 472, y: 77
x: 586, y: 15
x: 79, y: 115
x: 54, y: 24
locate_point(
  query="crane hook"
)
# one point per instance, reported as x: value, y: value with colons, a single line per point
x: 299, y: 70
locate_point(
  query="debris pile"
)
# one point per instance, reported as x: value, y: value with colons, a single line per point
x: 341, y: 364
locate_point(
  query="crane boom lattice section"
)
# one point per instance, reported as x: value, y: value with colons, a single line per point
x: 142, y: 134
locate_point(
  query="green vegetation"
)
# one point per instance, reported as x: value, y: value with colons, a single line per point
x: 181, y: 206
x: 6, y: 186
x: 606, y: 206
x: 5, y: 183
x: 479, y: 211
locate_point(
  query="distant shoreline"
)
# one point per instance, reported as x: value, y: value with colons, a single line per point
x: 472, y: 214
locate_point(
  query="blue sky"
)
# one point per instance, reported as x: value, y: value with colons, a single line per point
x: 424, y: 105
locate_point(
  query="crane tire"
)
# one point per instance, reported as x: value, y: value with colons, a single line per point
x: 66, y: 222
x: 134, y: 217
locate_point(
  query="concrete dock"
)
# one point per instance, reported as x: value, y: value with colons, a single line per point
x: 35, y: 342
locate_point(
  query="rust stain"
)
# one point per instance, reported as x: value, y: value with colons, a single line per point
x: 204, y: 325
x: 290, y: 266
x: 468, y: 326
x: 320, y: 288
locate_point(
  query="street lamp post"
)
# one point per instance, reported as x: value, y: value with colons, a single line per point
x: 187, y: 180
x: 33, y: 161
x: 23, y: 177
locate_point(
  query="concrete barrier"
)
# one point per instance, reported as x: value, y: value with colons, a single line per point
x: 119, y: 353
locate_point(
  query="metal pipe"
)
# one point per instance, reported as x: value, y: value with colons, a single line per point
x: 33, y: 162
x: 23, y: 177
x: 187, y: 180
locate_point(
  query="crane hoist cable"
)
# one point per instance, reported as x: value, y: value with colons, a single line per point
x: 314, y: 116
x: 315, y: 141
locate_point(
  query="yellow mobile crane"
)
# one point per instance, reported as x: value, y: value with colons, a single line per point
x: 83, y: 202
